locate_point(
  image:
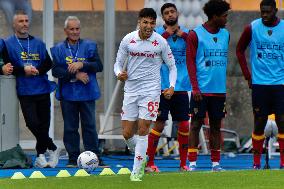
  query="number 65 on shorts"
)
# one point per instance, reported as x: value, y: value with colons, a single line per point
x: 142, y: 107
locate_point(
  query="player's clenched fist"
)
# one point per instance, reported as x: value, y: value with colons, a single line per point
x: 7, y: 69
x: 122, y: 76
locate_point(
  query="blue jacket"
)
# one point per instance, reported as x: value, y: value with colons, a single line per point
x: 69, y: 89
x: 178, y: 47
x: 31, y: 50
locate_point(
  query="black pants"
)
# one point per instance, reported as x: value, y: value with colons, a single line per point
x: 36, y: 111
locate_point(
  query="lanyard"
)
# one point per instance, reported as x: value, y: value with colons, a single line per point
x: 19, y: 42
x: 71, y: 53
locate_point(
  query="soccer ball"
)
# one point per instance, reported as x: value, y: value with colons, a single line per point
x: 88, y: 160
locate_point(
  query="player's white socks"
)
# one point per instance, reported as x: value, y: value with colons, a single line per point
x: 131, y: 143
x: 193, y: 163
x: 215, y: 164
x: 140, y: 153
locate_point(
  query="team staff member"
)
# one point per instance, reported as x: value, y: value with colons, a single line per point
x: 30, y: 63
x: 76, y: 64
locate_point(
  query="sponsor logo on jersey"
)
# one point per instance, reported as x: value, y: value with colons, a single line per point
x: 263, y: 45
x: 215, y: 52
x: 270, y: 56
x: 215, y: 63
x: 143, y: 54
x: 25, y: 56
x: 70, y: 59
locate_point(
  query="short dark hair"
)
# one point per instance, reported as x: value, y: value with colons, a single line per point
x: 147, y: 13
x: 216, y: 7
x: 167, y: 5
x: 268, y: 3
x: 19, y: 12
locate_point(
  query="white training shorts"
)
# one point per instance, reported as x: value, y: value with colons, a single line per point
x: 140, y: 106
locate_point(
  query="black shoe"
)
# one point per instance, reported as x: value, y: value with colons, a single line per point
x: 71, y: 164
x: 101, y: 163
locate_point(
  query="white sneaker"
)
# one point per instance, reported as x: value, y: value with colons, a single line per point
x: 53, y: 157
x: 40, y: 161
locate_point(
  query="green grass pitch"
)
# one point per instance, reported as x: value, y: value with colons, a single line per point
x: 271, y: 179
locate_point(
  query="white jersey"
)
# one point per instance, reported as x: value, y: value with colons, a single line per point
x: 145, y: 58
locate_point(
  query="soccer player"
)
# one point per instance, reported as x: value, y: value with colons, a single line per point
x: 178, y: 105
x: 145, y: 51
x: 30, y: 63
x: 207, y: 56
x: 76, y: 63
x: 265, y: 37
